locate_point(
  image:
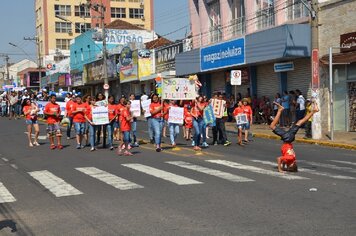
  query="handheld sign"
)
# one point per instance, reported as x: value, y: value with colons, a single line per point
x: 135, y: 108
x: 100, y: 115
x: 241, y: 119
x: 146, y: 107
x: 179, y: 89
x: 175, y: 115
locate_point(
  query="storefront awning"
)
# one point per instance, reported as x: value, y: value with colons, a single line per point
x: 340, y: 58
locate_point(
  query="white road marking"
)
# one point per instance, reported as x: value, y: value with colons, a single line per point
x: 4, y: 159
x: 314, y: 172
x: 40, y: 137
x: 330, y: 166
x: 14, y: 166
x: 255, y: 169
x: 344, y: 162
x: 216, y: 173
x: 56, y: 185
x: 5, y: 195
x: 177, y: 179
x: 108, y: 178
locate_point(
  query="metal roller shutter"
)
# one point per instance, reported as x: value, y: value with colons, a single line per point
x: 218, y: 82
x: 300, y: 77
x: 267, y: 81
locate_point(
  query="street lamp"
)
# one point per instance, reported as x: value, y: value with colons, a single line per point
x: 331, y: 98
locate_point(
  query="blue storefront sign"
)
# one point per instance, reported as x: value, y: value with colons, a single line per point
x: 281, y: 67
x: 222, y: 55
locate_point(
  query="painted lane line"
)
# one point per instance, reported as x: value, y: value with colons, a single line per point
x: 56, y: 185
x: 216, y: 173
x: 14, y: 166
x: 177, y: 179
x: 108, y: 178
x: 344, y: 162
x: 40, y: 137
x: 256, y: 169
x: 314, y: 172
x: 5, y: 195
x: 329, y: 166
x: 4, y: 159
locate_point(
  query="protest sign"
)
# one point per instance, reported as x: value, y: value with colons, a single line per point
x: 208, y: 115
x: 100, y: 115
x: 218, y: 107
x: 135, y: 108
x: 241, y: 119
x: 41, y: 105
x: 175, y: 115
x: 179, y: 89
x: 146, y: 107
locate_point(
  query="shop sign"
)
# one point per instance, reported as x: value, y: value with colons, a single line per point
x: 94, y: 71
x: 128, y: 65
x: 144, y: 63
x: 348, y: 42
x: 282, y: 67
x: 77, y: 79
x: 223, y: 55
x: 62, y: 80
x: 124, y: 37
x: 165, y: 57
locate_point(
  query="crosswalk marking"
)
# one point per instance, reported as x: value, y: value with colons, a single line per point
x: 56, y: 185
x: 177, y: 179
x: 108, y: 178
x: 255, y: 169
x: 344, y: 162
x: 308, y: 171
x: 330, y: 166
x: 217, y: 173
x: 5, y: 195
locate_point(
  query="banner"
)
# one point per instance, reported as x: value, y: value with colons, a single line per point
x: 208, y: 115
x: 41, y: 105
x: 176, y: 115
x: 218, y: 107
x: 128, y: 65
x: 146, y: 107
x: 241, y: 119
x: 135, y: 108
x: 179, y: 89
x: 100, y: 115
x: 144, y: 63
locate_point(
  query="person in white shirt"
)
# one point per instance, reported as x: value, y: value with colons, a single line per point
x: 300, y: 109
x: 144, y: 97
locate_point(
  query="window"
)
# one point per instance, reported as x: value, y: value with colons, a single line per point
x: 62, y: 10
x: 81, y: 11
x: 215, y: 21
x: 136, y: 13
x: 296, y: 9
x: 238, y: 24
x: 118, y: 12
x: 63, y: 27
x: 265, y: 13
x: 82, y: 27
x: 63, y: 44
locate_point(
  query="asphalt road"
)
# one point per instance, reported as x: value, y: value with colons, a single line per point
x: 221, y: 191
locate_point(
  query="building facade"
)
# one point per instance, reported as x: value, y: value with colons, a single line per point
x: 54, y: 34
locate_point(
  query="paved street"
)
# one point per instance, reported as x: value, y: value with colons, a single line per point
x: 221, y: 191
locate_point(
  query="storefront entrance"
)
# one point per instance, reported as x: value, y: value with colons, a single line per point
x: 352, y: 106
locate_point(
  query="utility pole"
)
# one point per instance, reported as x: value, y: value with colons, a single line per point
x: 37, y: 41
x: 6, y: 58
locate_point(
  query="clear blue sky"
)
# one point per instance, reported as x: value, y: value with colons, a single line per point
x: 17, y: 19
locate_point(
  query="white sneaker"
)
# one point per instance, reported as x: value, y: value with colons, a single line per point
x: 36, y: 144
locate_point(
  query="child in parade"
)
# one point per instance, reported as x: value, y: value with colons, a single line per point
x: 188, y: 122
x: 92, y: 126
x: 30, y: 111
x: 156, y: 111
x: 173, y: 128
x: 239, y: 110
x: 287, y: 162
x: 52, y: 110
x: 113, y: 113
x: 78, y: 111
x: 198, y: 123
x: 125, y: 128
x: 248, y: 111
x: 133, y: 126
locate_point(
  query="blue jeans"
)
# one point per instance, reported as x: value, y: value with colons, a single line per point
x: 79, y: 128
x: 157, y: 124
x: 110, y: 130
x: 133, y: 130
x: 69, y: 126
x: 18, y: 109
x: 3, y: 110
x: 173, y: 132
x: 126, y: 136
x: 198, y: 125
x: 150, y: 127
x: 92, y: 133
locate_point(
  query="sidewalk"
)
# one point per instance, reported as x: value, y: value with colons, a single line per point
x: 345, y: 140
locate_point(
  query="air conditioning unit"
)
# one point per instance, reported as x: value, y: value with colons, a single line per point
x: 142, y: 17
x: 70, y: 32
x: 142, y: 4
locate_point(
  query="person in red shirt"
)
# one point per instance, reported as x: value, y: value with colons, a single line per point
x: 78, y: 111
x: 185, y: 104
x: 287, y: 162
x: 166, y: 106
x: 198, y: 123
x: 125, y: 128
x: 157, y: 120
x: 239, y: 110
x: 248, y: 111
x: 113, y: 113
x: 69, y: 115
x: 92, y: 127
x: 30, y: 111
x: 173, y: 127
x: 53, y: 111
x: 119, y: 108
x: 188, y: 122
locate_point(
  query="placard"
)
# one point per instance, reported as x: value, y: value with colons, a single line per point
x: 218, y: 107
x: 176, y: 115
x: 135, y: 108
x: 41, y: 105
x: 208, y: 116
x: 241, y: 119
x: 100, y: 115
x: 146, y: 107
x: 179, y: 89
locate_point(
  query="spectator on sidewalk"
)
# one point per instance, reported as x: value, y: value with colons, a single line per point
x: 285, y: 121
x: 277, y: 99
x: 13, y: 99
x: 300, y: 108
x: 293, y: 104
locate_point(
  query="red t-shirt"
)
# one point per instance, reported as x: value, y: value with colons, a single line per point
x: 248, y: 111
x: 287, y: 150
x: 28, y: 108
x: 188, y: 119
x: 119, y: 108
x: 79, y: 117
x: 125, y: 125
x: 89, y: 113
x: 153, y: 107
x: 52, y: 108
x: 238, y: 110
x: 69, y: 107
x: 166, y: 110
x: 112, y: 109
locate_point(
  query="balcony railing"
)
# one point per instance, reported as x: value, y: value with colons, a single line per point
x: 265, y: 18
x: 295, y: 11
x: 215, y: 34
x: 237, y: 27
